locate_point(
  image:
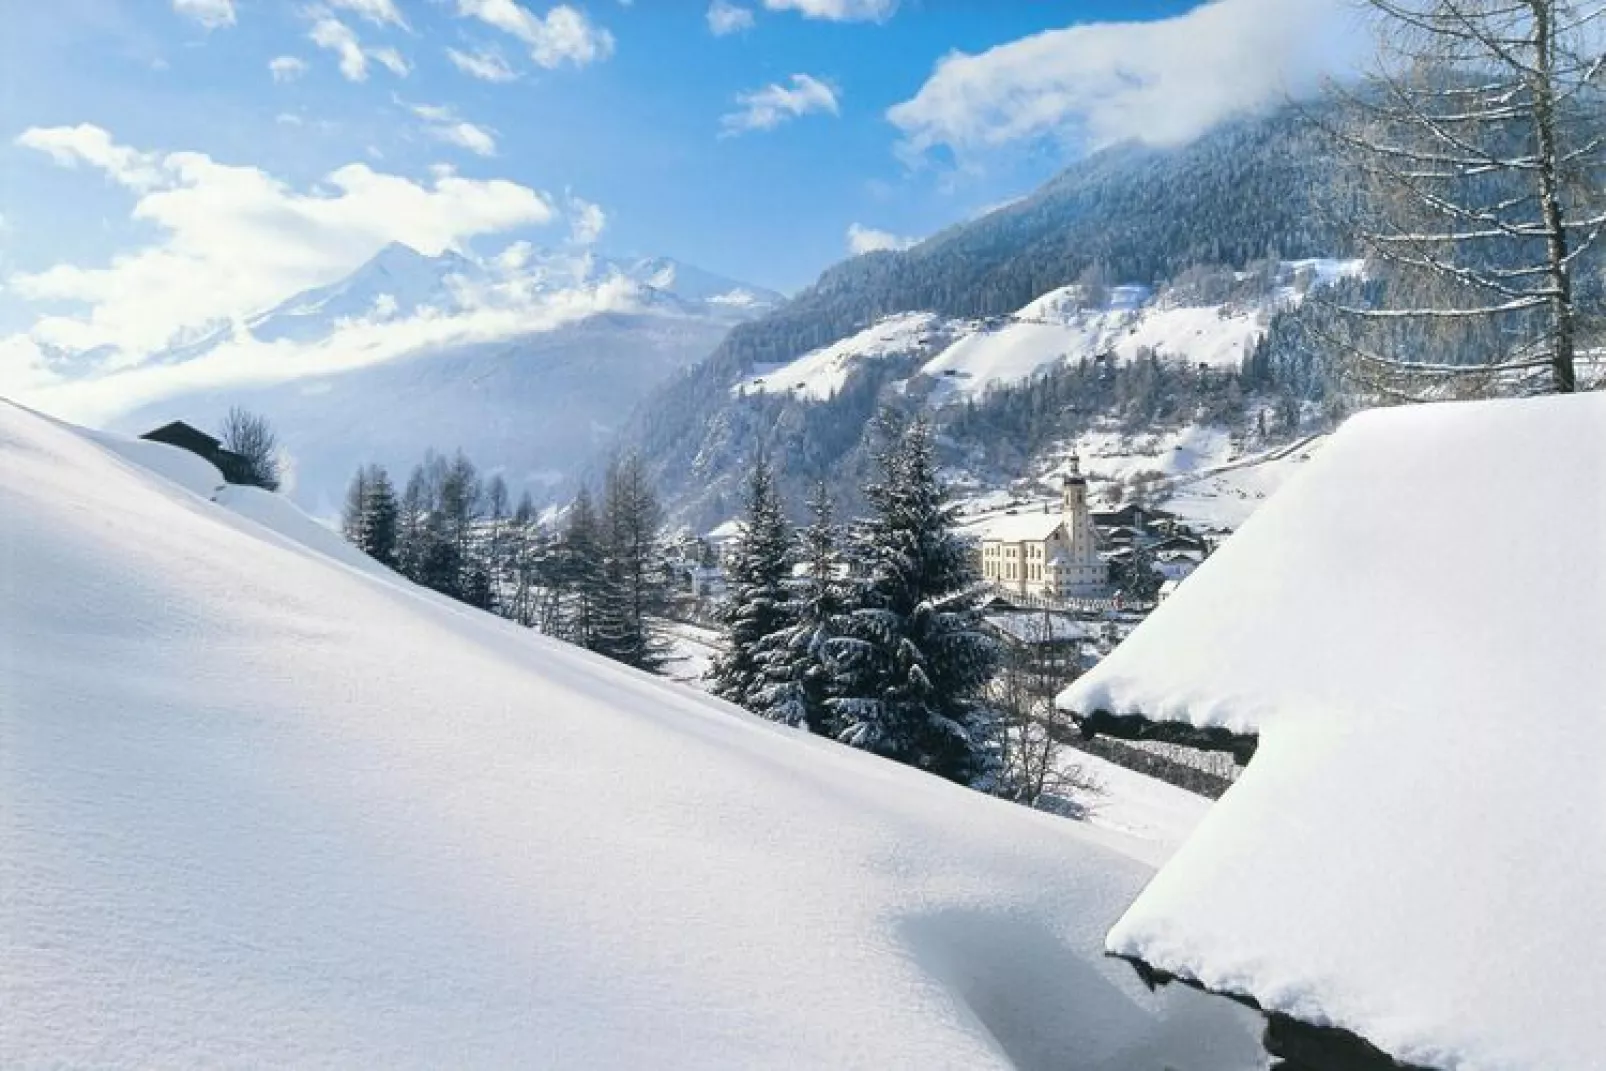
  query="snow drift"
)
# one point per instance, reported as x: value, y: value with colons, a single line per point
x: 1414, y: 627
x: 264, y: 805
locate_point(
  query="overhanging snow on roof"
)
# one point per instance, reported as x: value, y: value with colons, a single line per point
x: 1418, y: 852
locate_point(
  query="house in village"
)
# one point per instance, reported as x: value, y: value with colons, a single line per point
x: 234, y: 467
x: 1056, y: 638
x: 1410, y: 872
x: 1050, y: 555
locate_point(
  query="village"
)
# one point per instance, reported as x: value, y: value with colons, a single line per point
x: 1056, y: 572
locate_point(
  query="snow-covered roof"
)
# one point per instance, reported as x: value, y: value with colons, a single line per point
x: 1028, y: 627
x: 265, y: 803
x: 1018, y: 527
x: 1417, y: 852
x: 726, y: 531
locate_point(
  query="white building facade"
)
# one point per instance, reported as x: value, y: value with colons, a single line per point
x: 1045, y: 554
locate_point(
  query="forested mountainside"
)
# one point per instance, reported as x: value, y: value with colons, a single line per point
x: 1177, y: 224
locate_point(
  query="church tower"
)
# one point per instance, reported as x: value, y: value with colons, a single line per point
x: 1075, y: 492
x: 1080, y: 569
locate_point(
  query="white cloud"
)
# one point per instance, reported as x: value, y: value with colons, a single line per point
x: 768, y: 108
x: 379, y: 12
x: 70, y: 146
x: 232, y: 240
x: 562, y: 35
x: 586, y: 221
x: 485, y: 64
x: 838, y: 10
x: 1164, y: 82
x: 725, y: 17
x: 209, y: 13
x: 391, y: 60
x: 286, y: 68
x: 515, y: 298
x: 862, y: 239
x: 443, y: 124
x: 330, y: 33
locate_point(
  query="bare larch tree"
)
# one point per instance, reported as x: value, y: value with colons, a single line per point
x: 1476, y: 142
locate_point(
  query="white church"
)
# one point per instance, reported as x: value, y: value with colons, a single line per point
x: 1046, y: 554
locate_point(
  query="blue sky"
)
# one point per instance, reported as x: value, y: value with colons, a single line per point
x: 234, y: 149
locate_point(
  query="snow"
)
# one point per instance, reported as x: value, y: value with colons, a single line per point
x: 1054, y: 329
x: 264, y: 808
x: 1417, y: 852
x: 1018, y: 527
x: 1028, y: 626
x: 821, y: 373
x: 1223, y: 497
x: 969, y: 357
x: 1159, y: 816
x: 691, y: 651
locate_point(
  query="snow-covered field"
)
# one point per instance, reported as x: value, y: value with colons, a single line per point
x: 266, y: 804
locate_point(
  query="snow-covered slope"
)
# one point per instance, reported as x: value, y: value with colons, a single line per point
x: 1417, y: 852
x: 821, y: 373
x: 1063, y: 325
x: 265, y: 807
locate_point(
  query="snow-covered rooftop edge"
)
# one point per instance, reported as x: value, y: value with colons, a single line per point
x: 1414, y: 628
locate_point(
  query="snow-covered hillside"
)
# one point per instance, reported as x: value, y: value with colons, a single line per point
x: 820, y: 373
x: 1063, y: 325
x: 266, y: 804
x: 1197, y: 472
x: 527, y: 361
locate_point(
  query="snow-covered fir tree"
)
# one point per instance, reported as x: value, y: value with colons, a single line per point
x: 909, y: 661
x: 757, y: 602
x: 796, y: 680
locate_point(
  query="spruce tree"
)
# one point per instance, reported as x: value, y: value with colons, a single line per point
x: 411, y: 528
x: 909, y: 661
x: 580, y: 574
x: 635, y: 583
x: 379, y: 516
x: 370, y: 516
x: 351, y: 514
x: 756, y: 605
x: 797, y: 681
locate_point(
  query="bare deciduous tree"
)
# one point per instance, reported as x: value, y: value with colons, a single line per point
x: 250, y: 436
x: 1478, y: 145
x: 1033, y: 671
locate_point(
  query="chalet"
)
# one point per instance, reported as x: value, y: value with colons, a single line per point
x: 235, y: 468
x: 724, y: 539
x: 1177, y: 565
x: 1410, y: 872
x: 1054, y: 555
x: 1131, y: 515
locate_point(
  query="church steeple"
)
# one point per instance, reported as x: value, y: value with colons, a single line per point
x: 1075, y: 488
